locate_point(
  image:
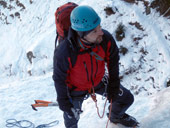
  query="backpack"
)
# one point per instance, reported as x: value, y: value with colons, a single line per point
x: 62, y: 20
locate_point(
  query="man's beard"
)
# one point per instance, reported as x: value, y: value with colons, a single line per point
x: 99, y: 39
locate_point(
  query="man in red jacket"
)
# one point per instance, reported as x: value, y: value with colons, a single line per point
x: 79, y: 69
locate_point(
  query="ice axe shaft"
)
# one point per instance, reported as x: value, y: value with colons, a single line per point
x: 42, y: 103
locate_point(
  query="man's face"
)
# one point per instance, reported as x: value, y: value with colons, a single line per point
x: 95, y: 36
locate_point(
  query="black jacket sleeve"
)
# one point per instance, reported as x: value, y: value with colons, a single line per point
x: 60, y: 70
x: 112, y: 59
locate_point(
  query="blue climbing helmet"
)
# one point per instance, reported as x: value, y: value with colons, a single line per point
x: 84, y: 18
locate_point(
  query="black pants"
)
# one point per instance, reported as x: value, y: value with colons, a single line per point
x: 122, y: 103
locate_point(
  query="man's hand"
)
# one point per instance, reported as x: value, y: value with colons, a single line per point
x: 112, y: 93
x: 75, y: 113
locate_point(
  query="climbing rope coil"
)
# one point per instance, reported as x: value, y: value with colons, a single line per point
x: 28, y: 124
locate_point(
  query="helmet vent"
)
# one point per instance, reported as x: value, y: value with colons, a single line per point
x: 84, y: 21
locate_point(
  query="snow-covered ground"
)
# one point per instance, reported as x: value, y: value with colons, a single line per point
x: 144, y: 69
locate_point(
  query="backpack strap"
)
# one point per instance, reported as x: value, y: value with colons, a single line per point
x: 73, y: 52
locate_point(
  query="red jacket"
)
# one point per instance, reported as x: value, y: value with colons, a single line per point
x: 87, y: 71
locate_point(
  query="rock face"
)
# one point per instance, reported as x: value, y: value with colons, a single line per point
x: 162, y: 6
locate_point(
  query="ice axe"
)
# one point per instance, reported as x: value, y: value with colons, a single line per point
x: 42, y: 103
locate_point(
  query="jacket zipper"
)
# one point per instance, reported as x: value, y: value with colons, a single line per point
x: 92, y: 70
x: 96, y: 68
x: 86, y: 70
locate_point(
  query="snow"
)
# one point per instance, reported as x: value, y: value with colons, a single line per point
x: 145, y: 68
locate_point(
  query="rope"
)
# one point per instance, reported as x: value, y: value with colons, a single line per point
x: 93, y: 96
x: 109, y: 113
x: 28, y: 124
x: 13, y: 122
x: 103, y: 109
x: 48, y: 125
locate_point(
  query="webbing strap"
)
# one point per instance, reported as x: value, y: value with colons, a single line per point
x: 89, y: 50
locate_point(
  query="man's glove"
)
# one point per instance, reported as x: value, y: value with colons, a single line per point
x: 74, y: 113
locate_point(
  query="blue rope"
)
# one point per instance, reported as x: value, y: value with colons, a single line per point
x: 27, y: 124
